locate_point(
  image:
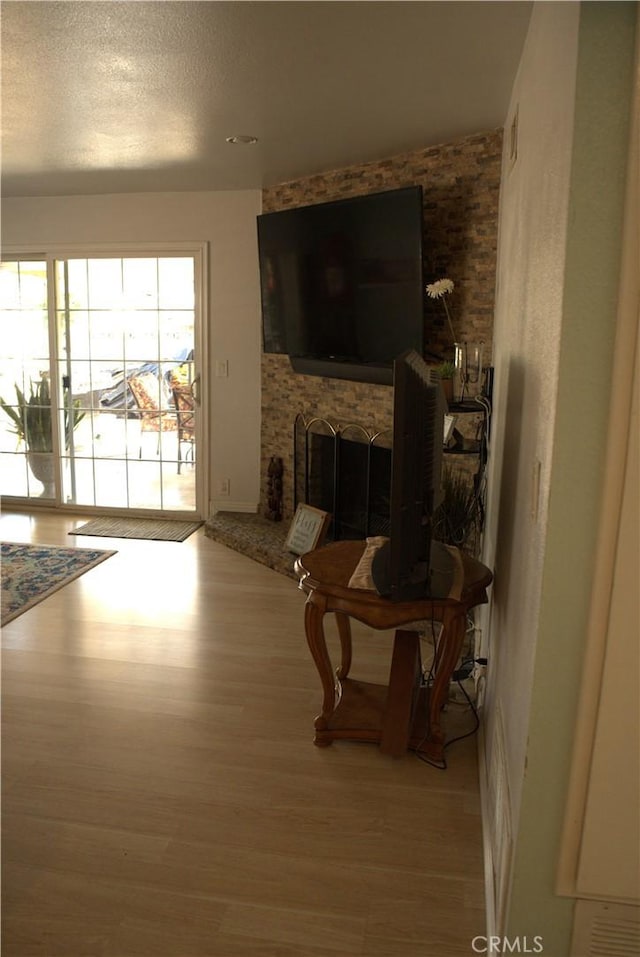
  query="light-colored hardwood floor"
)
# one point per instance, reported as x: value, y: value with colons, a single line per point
x: 162, y: 794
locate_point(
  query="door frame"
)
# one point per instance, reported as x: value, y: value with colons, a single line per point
x: 49, y: 253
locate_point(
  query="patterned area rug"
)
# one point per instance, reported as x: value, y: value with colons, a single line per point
x: 30, y: 573
x: 153, y: 529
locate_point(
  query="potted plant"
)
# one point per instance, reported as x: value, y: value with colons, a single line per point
x: 446, y: 371
x: 32, y: 423
x: 458, y: 519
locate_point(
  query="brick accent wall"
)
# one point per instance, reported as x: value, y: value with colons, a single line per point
x: 461, y: 183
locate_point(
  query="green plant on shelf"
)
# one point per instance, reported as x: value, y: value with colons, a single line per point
x: 446, y: 370
x: 457, y: 520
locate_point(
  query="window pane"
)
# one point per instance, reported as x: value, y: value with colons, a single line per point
x: 176, y: 283
x: 24, y: 360
x: 104, y: 283
x: 140, y: 283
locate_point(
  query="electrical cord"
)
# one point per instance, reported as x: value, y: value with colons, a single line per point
x: 426, y: 682
x: 460, y: 737
x: 476, y: 719
x: 484, y: 402
x: 486, y: 405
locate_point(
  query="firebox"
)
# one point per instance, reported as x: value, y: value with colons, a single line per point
x: 345, y: 471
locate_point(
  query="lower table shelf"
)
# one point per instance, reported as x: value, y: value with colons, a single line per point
x: 361, y: 711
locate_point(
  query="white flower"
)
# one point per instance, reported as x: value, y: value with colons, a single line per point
x: 439, y: 288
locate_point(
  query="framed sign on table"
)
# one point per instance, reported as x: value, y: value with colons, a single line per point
x: 308, y: 529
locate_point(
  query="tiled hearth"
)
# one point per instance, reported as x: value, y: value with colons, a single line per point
x: 254, y: 536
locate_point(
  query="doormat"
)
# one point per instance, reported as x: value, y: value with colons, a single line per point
x: 155, y: 529
x: 30, y: 573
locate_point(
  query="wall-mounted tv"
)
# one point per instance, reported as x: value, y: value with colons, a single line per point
x: 341, y: 283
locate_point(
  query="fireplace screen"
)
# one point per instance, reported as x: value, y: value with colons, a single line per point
x: 346, y: 471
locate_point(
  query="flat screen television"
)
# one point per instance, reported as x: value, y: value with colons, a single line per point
x: 341, y: 284
x: 411, y: 565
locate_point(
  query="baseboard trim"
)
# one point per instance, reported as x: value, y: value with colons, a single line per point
x: 487, y: 848
x: 224, y: 505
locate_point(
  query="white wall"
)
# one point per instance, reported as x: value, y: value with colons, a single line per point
x: 604, y: 862
x: 559, y: 253
x: 528, y: 318
x: 226, y: 220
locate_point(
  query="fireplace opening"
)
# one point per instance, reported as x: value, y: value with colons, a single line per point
x: 346, y: 471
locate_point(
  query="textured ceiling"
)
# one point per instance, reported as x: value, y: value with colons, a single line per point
x: 101, y: 97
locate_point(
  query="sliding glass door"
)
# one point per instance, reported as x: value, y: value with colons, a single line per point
x: 115, y: 340
x: 26, y: 430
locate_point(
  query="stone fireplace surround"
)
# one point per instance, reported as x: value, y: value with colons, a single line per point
x: 461, y: 183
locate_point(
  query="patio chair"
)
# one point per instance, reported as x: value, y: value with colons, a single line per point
x: 186, y: 421
x: 146, y: 390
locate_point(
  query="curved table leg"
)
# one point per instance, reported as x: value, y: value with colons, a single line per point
x: 450, y: 646
x: 344, y: 630
x: 314, y: 611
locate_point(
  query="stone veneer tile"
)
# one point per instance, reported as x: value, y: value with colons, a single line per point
x: 461, y: 184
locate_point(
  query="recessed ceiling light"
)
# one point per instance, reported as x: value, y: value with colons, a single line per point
x: 246, y: 140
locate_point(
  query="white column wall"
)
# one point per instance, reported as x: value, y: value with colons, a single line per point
x: 558, y: 266
x: 528, y: 319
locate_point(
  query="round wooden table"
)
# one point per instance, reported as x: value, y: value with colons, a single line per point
x: 401, y: 715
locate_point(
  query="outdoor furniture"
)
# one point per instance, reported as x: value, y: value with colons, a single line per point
x: 186, y: 421
x: 146, y: 390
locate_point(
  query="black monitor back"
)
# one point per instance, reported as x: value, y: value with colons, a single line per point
x: 418, y: 426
